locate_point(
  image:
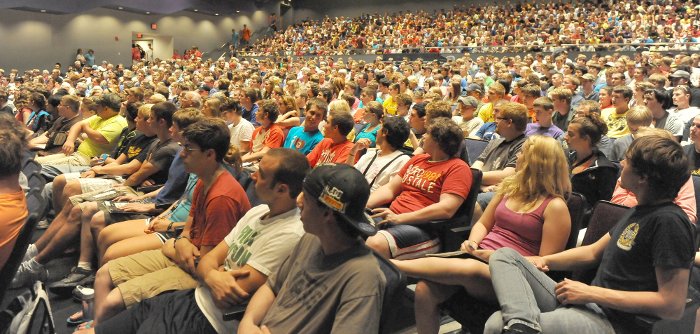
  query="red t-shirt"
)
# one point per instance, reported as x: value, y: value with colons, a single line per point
x: 274, y: 137
x: 216, y: 212
x: 327, y: 152
x: 422, y: 182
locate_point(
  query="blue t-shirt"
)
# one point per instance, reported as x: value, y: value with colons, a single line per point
x: 371, y: 135
x: 175, y: 186
x: 182, y: 210
x: 250, y: 114
x: 487, y: 131
x: 302, y: 141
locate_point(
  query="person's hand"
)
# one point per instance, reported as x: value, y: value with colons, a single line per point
x: 158, y: 224
x: 138, y: 207
x: 225, y: 289
x: 147, y: 183
x: 185, y: 255
x: 573, y: 292
x: 248, y: 327
x: 68, y: 148
x: 127, y: 198
x: 469, y: 246
x: 95, y: 161
x: 387, y: 216
x: 88, y: 174
x: 539, y: 263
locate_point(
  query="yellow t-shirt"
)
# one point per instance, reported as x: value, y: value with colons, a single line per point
x: 617, y: 123
x: 110, y: 128
x: 486, y: 112
x: 390, y: 106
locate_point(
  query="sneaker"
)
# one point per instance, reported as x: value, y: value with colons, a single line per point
x: 42, y: 224
x: 25, y: 277
x: 77, y: 276
x: 81, y: 293
x: 30, y: 253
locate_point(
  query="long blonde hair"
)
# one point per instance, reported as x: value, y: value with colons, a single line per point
x: 542, y: 172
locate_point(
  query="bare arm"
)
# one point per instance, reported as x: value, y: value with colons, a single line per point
x: 250, y: 156
x: 584, y: 257
x: 146, y: 169
x: 496, y: 176
x: 386, y: 193
x: 443, y: 209
x: 257, y: 308
x: 41, y: 139
x: 556, y: 228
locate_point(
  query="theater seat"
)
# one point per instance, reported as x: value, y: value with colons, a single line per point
x: 454, y: 231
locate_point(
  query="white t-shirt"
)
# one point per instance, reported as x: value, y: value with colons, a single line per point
x: 243, y: 131
x: 260, y: 243
x: 685, y: 115
x: 378, y: 164
x: 470, y: 127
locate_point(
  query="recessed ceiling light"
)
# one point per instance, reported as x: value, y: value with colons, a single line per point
x: 196, y: 10
x: 217, y: 14
x: 148, y: 12
x: 120, y: 8
x: 238, y: 11
x: 43, y: 10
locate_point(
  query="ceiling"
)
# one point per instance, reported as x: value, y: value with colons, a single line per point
x: 146, y: 7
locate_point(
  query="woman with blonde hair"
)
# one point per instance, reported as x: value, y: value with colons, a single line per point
x: 212, y: 107
x: 528, y: 214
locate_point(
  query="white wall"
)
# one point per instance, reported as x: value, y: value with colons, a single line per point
x: 35, y: 40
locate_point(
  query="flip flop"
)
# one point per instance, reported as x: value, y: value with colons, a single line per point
x: 75, y: 319
x: 84, y: 325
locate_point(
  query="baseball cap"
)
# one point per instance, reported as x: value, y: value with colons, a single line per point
x: 588, y: 77
x: 475, y: 87
x: 680, y: 74
x: 343, y: 189
x: 468, y: 101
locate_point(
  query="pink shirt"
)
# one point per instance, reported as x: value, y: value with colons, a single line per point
x: 685, y: 198
x: 519, y: 231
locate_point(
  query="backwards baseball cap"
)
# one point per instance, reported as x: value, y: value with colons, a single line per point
x: 343, y: 189
x: 469, y: 101
x: 475, y: 88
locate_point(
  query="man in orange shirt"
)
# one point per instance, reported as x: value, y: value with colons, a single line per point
x: 268, y: 135
x: 245, y: 34
x: 336, y: 146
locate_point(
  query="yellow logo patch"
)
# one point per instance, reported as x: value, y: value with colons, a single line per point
x: 626, y: 240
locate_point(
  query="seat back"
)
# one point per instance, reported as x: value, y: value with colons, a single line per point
x: 696, y: 187
x: 246, y: 181
x: 395, y: 284
x: 474, y: 148
x: 7, y: 272
x: 577, y: 211
x: 604, y: 217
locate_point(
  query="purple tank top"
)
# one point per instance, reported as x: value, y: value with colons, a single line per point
x: 519, y: 231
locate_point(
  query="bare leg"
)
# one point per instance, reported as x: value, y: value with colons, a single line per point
x: 104, y: 297
x: 428, y: 297
x: 72, y: 188
x: 54, y: 227
x: 59, y: 182
x: 132, y: 246
x: 478, y: 211
x: 697, y: 322
x: 117, y: 232
x: 87, y: 243
x: 62, y: 239
x: 379, y: 243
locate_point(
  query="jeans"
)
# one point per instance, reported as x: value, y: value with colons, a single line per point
x: 527, y: 296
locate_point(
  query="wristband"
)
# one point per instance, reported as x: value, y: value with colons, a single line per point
x: 178, y: 238
x: 169, y: 226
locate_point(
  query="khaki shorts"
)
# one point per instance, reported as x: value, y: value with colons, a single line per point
x: 75, y: 159
x: 146, y: 275
x: 91, y: 184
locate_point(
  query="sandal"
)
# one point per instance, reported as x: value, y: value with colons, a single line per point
x: 75, y: 319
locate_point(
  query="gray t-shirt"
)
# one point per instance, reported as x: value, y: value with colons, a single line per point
x: 315, y: 293
x: 500, y: 153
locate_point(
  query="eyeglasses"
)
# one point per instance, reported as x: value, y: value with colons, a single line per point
x: 498, y: 119
x: 187, y: 148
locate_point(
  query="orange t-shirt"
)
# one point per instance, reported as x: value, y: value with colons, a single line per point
x: 327, y: 152
x: 13, y: 214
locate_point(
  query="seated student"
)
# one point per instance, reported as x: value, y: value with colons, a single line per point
x: 218, y: 201
x: 52, y: 140
x: 487, y: 131
x: 330, y: 282
x: 13, y: 204
x: 374, y: 113
x: 268, y: 135
x: 66, y: 227
x: 592, y: 174
x: 637, y: 117
x: 643, y: 262
x: 238, y: 265
x: 528, y: 214
x: 132, y: 152
x: 430, y: 186
x: 658, y: 101
x: 543, y: 112
x: 615, y: 116
x: 592, y: 107
x: 305, y: 137
x: 497, y: 161
x: 693, y: 150
x: 416, y: 119
x: 686, y: 195
x: 335, y: 147
x: 561, y: 99
x: 466, y: 119
x: 241, y: 129
x: 381, y: 164
x: 102, y: 131
x: 39, y: 120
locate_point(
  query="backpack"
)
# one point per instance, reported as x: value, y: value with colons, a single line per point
x: 29, y: 312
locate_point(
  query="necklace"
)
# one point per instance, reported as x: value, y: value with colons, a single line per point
x: 583, y: 161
